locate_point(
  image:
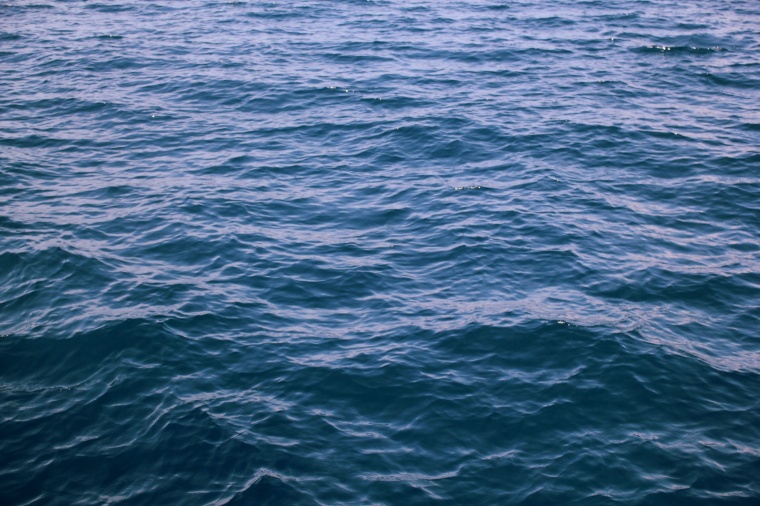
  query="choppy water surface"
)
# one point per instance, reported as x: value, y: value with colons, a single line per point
x: 379, y: 252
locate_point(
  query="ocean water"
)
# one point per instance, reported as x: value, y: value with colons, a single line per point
x: 379, y: 252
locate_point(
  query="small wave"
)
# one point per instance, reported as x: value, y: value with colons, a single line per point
x: 665, y: 49
x: 407, y: 477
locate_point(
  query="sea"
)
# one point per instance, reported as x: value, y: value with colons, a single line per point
x: 379, y: 252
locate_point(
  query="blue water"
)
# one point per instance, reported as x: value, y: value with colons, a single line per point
x: 379, y: 252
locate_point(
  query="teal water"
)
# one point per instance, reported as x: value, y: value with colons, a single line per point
x: 379, y: 252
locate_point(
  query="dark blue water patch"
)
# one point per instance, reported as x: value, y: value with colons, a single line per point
x: 63, y: 106
x: 109, y: 37
x: 9, y: 36
x: 751, y: 126
x: 46, y: 142
x: 110, y: 8
x: 34, y: 6
x: 733, y: 79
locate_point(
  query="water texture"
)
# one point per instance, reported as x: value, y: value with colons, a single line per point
x: 379, y: 252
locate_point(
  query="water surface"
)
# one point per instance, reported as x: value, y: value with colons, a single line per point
x: 379, y: 252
